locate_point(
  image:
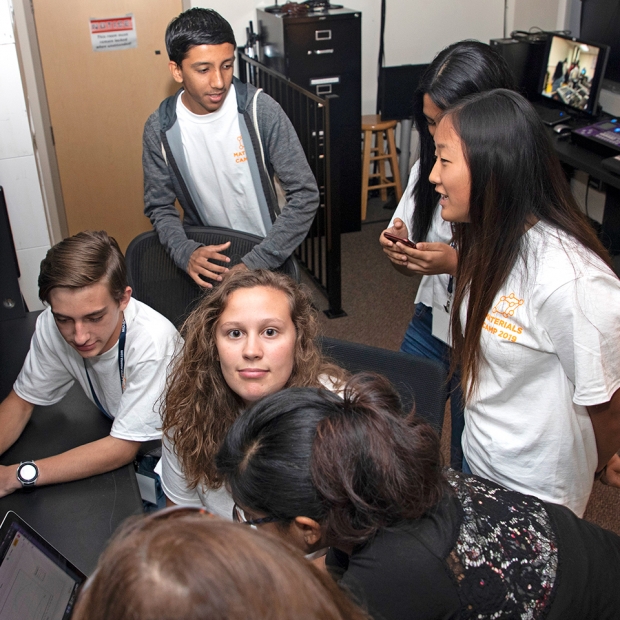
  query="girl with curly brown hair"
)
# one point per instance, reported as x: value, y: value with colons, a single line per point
x: 253, y: 336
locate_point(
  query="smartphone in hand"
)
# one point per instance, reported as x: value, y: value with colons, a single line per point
x: 396, y: 239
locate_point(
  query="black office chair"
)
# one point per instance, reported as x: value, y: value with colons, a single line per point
x: 418, y: 380
x: 158, y: 282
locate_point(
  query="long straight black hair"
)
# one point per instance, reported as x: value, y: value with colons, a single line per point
x: 460, y: 69
x: 516, y: 180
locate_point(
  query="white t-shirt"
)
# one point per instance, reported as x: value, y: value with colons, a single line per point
x: 52, y: 366
x: 218, y: 501
x: 219, y: 167
x: 174, y: 485
x: 431, y: 287
x: 551, y: 344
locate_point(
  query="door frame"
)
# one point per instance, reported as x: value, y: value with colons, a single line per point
x: 33, y: 84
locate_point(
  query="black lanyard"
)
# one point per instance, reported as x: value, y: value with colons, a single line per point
x: 121, y: 369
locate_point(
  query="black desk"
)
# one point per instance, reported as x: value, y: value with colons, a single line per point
x: 78, y: 517
x: 579, y: 158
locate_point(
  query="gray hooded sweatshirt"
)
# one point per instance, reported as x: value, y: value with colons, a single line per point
x: 167, y: 177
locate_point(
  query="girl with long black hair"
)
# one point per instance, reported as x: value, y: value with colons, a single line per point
x: 536, y: 317
x: 409, y: 539
x: 461, y: 69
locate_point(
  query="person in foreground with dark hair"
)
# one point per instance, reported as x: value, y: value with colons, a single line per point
x: 92, y: 332
x: 254, y: 335
x: 179, y: 564
x: 409, y: 539
x: 460, y: 69
x: 214, y: 147
x: 536, y: 318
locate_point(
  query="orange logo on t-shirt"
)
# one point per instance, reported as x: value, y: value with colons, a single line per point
x: 507, y: 305
x: 239, y: 155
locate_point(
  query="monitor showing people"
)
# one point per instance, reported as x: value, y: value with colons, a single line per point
x: 573, y: 72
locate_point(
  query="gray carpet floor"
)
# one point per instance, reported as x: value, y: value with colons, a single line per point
x: 379, y: 305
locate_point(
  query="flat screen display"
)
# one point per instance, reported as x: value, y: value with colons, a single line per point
x: 36, y: 581
x: 573, y: 72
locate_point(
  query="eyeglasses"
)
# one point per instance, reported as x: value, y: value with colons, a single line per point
x: 238, y: 515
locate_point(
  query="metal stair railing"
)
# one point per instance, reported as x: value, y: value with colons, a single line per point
x: 319, y: 253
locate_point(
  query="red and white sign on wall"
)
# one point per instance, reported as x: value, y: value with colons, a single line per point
x: 113, y: 33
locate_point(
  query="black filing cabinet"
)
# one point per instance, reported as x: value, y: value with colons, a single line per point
x: 322, y: 52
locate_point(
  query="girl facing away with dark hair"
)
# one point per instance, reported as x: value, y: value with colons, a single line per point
x: 409, y: 539
x: 252, y: 336
x: 182, y: 565
x: 536, y: 318
x: 461, y: 69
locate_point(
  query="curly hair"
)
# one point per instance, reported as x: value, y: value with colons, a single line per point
x: 199, y: 406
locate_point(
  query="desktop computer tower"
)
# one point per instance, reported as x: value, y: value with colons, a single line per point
x: 322, y: 52
x: 525, y: 58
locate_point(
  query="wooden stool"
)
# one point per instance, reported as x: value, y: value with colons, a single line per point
x: 372, y: 124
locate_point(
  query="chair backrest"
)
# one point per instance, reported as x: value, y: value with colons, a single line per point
x: 158, y: 282
x: 418, y: 380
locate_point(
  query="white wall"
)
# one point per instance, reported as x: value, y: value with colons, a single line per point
x: 572, y: 19
x: 18, y: 169
x: 543, y: 14
x: 415, y: 29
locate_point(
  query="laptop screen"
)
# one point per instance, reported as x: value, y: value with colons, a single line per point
x: 36, y: 581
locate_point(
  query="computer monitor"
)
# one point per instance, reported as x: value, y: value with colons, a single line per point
x: 572, y: 73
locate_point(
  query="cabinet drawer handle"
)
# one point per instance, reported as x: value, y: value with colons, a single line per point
x: 330, y: 51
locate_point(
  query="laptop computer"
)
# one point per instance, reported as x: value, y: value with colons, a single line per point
x: 36, y: 581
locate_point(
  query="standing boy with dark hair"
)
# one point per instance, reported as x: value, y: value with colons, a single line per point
x: 93, y: 332
x: 215, y: 147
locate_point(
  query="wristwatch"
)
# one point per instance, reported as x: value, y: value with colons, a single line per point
x: 27, y: 473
